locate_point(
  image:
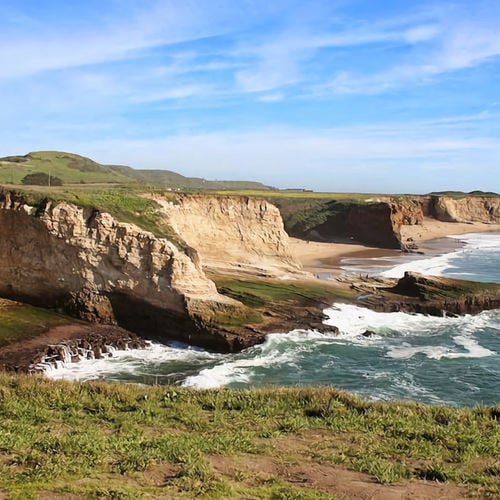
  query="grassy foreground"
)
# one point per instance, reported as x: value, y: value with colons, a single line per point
x: 96, y: 440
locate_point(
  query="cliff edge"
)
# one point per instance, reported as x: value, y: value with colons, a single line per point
x: 232, y: 233
x: 85, y: 262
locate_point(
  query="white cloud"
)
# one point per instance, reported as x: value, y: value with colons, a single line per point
x: 172, y: 93
x: 457, y: 43
x: 274, y: 97
x: 409, y: 157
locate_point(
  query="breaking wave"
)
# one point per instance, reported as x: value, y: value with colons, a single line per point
x: 377, y: 355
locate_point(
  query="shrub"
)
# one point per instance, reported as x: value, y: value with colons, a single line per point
x: 41, y: 179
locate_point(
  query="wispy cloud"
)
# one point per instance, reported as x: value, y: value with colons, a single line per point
x: 359, y: 157
x: 458, y: 42
x: 282, y: 88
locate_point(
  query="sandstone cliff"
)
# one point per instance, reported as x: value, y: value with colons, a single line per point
x: 374, y: 223
x: 464, y: 209
x: 86, y: 262
x: 232, y: 231
x: 379, y: 223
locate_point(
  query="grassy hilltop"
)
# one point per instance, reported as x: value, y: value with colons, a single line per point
x: 75, y: 169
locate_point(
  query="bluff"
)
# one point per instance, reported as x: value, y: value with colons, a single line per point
x: 484, y: 209
x: 85, y: 262
x: 378, y: 222
x: 236, y: 232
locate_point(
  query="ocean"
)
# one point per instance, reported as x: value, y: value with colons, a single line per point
x: 437, y: 360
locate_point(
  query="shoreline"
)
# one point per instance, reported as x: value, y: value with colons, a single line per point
x: 325, y: 258
x: 318, y: 258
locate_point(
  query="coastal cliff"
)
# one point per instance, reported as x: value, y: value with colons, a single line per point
x: 87, y: 263
x: 231, y: 232
x: 378, y: 222
x: 375, y: 222
x: 484, y: 209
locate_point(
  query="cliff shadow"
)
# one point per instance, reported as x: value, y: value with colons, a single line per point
x: 158, y: 324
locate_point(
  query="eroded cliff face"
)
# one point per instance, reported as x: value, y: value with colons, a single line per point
x: 379, y: 224
x: 87, y: 263
x: 466, y: 209
x: 376, y: 223
x: 229, y: 230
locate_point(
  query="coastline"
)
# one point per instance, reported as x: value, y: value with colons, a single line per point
x: 326, y: 257
x: 323, y: 260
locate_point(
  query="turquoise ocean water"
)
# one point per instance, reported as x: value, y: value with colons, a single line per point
x: 454, y: 361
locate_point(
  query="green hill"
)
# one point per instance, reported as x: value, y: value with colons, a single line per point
x: 75, y: 169
x: 70, y: 168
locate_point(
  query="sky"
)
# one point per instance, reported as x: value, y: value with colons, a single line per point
x: 331, y: 95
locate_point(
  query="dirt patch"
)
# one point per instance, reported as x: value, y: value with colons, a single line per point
x: 159, y: 475
x: 331, y: 479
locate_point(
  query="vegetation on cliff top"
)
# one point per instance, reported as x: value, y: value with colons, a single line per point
x: 124, y: 204
x: 21, y: 321
x: 126, y: 441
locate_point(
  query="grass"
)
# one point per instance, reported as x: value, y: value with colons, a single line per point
x: 70, y: 168
x: 75, y: 169
x: 21, y: 321
x: 262, y: 292
x: 124, y: 204
x: 297, y: 195
x: 124, y: 441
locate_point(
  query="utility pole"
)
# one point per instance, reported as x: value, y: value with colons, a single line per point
x: 49, y: 178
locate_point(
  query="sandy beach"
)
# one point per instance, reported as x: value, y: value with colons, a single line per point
x: 318, y: 258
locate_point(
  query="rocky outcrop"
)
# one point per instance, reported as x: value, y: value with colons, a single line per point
x: 435, y: 295
x: 98, y: 345
x: 232, y: 230
x: 484, y: 209
x: 87, y: 263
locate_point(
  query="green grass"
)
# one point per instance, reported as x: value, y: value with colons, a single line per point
x: 124, y: 204
x: 310, y: 195
x: 262, y: 292
x: 75, y: 169
x: 70, y: 168
x: 112, y: 440
x: 21, y: 322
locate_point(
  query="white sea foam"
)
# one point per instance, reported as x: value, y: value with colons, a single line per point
x: 442, y: 264
x: 352, y: 321
x: 277, y: 350
x: 128, y: 361
x: 471, y: 346
x: 434, y: 266
x: 475, y: 241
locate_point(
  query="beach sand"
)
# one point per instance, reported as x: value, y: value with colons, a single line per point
x: 319, y: 258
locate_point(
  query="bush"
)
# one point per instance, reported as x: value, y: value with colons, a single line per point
x: 41, y: 179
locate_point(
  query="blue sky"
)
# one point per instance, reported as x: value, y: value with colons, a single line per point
x: 347, y: 95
